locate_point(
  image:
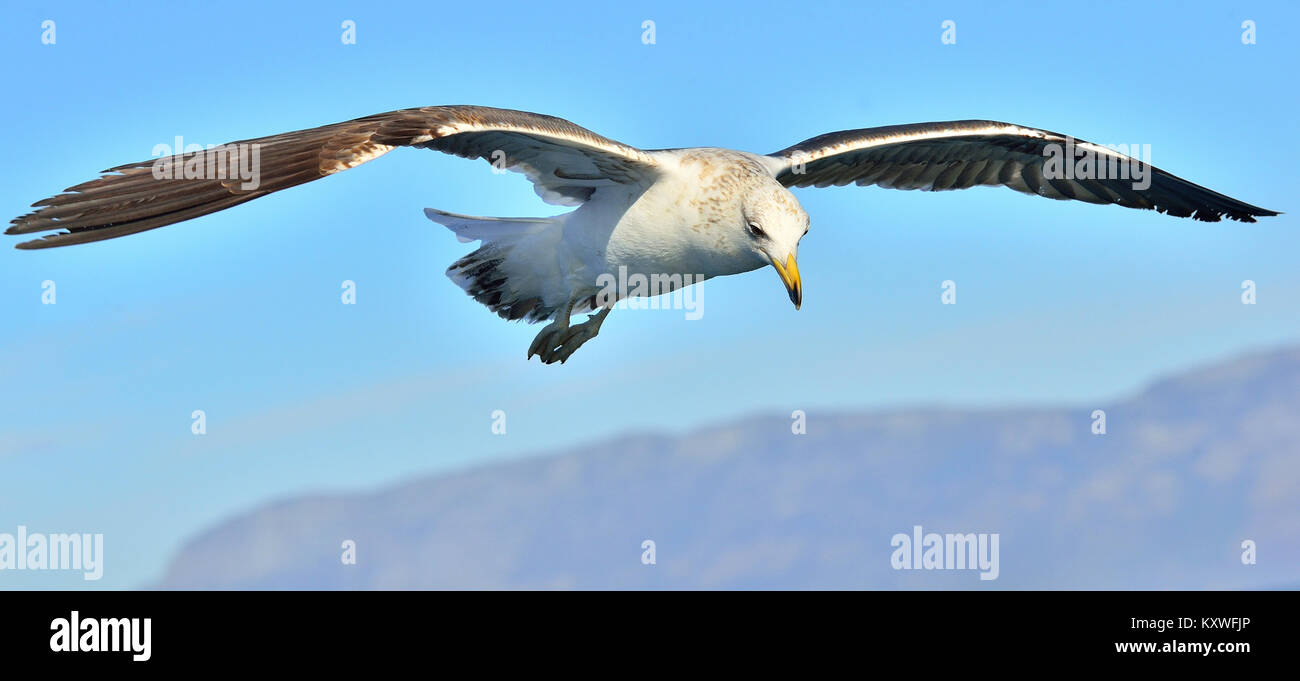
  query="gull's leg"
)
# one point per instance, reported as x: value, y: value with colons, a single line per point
x: 573, y: 338
x: 549, y: 336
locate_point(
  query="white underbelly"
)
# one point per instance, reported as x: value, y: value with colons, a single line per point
x: 660, y: 234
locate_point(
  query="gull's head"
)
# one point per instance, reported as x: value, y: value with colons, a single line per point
x: 774, y: 222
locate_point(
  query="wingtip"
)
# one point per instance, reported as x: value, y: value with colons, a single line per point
x: 18, y: 227
x: 32, y: 245
x: 1255, y: 212
x: 28, y: 224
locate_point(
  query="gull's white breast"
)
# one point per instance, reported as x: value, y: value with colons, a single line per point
x: 690, y: 221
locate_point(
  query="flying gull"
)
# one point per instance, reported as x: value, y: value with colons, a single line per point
x: 667, y: 213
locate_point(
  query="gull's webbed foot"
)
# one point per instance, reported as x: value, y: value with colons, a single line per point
x: 547, y: 337
x: 558, y: 340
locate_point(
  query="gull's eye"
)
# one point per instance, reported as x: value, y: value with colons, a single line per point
x: 756, y: 230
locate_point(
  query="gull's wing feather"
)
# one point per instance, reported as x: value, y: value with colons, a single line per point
x: 565, y: 162
x: 962, y: 154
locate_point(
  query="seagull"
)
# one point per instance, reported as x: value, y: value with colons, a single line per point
x: 668, y: 213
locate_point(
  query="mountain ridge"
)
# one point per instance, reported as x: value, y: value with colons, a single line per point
x: 1189, y: 468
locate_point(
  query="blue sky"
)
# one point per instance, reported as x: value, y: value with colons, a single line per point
x: 238, y: 314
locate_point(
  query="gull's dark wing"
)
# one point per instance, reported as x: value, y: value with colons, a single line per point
x: 565, y: 162
x: 962, y: 154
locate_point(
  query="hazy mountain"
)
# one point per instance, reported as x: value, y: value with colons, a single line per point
x: 1185, y: 473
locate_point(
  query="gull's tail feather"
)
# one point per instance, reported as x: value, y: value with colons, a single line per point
x: 497, y: 274
x: 476, y: 228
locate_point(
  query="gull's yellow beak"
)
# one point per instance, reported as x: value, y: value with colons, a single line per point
x: 790, y: 276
